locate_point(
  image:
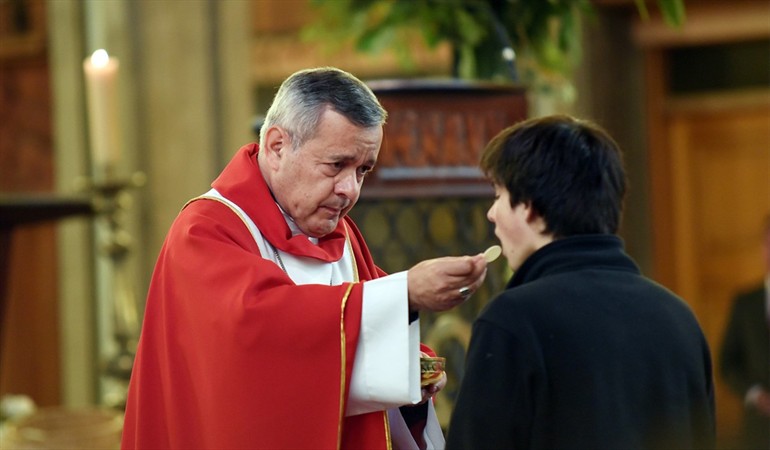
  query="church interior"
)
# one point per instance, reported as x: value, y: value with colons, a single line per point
x: 88, y: 189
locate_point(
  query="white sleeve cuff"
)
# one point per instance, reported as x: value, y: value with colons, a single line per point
x: 386, y: 371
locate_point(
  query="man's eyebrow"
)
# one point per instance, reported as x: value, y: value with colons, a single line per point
x: 340, y: 157
x: 348, y: 158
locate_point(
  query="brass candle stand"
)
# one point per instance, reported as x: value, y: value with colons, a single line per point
x: 112, y: 199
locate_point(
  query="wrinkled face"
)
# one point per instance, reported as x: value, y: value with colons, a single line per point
x: 318, y: 183
x: 517, y: 228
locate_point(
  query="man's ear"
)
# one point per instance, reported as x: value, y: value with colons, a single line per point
x: 276, y: 140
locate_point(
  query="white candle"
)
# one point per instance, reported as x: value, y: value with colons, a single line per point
x: 104, y: 125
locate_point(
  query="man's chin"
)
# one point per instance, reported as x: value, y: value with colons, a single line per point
x: 323, y: 229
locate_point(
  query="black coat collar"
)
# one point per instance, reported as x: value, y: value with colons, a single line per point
x: 573, y: 253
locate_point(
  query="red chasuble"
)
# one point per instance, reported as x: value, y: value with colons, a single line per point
x: 233, y: 354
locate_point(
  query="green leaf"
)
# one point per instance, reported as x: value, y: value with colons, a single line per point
x: 641, y: 6
x: 548, y: 31
x: 673, y: 12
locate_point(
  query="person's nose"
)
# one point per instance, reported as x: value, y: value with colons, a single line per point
x: 347, y: 185
x: 490, y: 214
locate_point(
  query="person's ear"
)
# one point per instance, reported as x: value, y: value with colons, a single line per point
x: 276, y: 140
x: 534, y: 219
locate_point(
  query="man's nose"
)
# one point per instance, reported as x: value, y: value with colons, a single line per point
x: 347, y: 185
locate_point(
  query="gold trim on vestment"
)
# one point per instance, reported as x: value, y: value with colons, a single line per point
x: 224, y: 202
x: 387, y: 430
x: 343, y: 360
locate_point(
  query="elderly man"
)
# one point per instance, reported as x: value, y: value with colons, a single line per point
x: 267, y: 323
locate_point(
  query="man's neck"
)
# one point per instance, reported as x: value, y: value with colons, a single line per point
x: 295, y: 230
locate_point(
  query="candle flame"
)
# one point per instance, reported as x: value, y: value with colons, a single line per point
x: 100, y: 58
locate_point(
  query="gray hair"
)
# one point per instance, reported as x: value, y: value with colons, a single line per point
x: 305, y: 95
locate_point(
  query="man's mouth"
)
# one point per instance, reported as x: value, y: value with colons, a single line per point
x: 336, y: 209
x: 332, y: 210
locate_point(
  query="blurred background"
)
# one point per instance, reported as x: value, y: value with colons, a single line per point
x: 685, y: 92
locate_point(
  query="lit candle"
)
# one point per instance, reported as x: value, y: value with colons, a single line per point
x: 104, y: 125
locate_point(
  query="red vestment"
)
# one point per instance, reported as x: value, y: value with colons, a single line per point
x: 233, y: 354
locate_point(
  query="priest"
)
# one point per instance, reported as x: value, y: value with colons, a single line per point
x: 268, y: 324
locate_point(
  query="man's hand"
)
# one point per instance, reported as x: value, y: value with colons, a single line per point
x: 432, y: 389
x: 435, y: 284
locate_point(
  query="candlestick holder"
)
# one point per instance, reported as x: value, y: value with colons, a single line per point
x: 111, y: 200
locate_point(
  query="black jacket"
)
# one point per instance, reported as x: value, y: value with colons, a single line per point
x: 581, y: 351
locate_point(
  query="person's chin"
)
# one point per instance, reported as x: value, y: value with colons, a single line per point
x: 325, y: 228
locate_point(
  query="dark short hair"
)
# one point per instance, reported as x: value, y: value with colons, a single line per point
x: 305, y: 95
x: 569, y: 170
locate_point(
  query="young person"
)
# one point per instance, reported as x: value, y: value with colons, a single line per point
x: 580, y: 350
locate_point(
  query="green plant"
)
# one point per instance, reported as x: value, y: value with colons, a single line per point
x: 545, y: 34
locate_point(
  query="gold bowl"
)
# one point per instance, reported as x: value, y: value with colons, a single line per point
x: 431, y: 369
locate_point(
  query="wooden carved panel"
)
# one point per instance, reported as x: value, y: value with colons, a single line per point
x: 435, y: 133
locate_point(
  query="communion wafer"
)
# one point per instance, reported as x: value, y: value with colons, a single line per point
x: 492, y: 253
